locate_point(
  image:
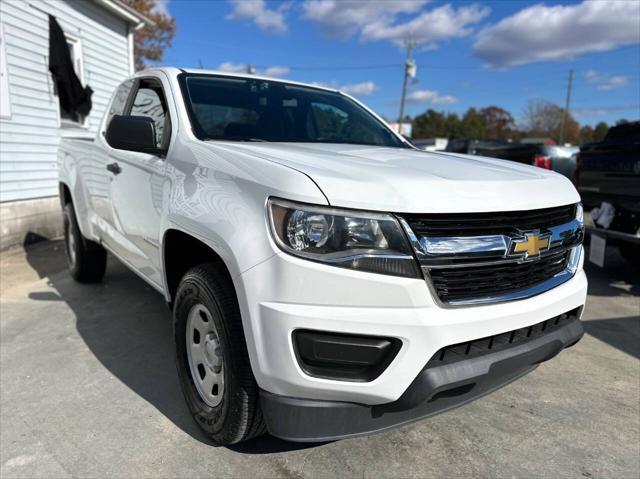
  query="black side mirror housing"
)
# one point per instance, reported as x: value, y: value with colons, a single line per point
x: 133, y: 133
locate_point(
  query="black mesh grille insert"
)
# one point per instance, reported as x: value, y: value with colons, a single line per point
x: 462, y: 283
x: 475, y: 224
x: 491, y: 275
x: 491, y: 344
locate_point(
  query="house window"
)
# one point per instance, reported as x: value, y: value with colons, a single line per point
x: 5, y: 98
x: 67, y: 118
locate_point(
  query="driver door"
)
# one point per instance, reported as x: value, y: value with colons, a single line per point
x: 137, y: 186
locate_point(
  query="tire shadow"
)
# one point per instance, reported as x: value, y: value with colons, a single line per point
x: 618, y: 277
x: 127, y: 326
x: 621, y: 333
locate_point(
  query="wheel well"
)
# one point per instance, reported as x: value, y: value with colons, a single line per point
x: 181, y: 253
x: 65, y: 194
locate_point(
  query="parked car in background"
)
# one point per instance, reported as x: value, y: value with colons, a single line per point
x: 548, y: 156
x: 609, y: 183
x: 327, y: 280
x: 430, y: 144
x: 561, y: 159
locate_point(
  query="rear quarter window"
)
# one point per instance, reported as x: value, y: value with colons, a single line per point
x: 119, y: 102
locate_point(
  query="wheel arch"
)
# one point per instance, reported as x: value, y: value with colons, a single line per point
x: 65, y: 194
x: 180, y: 252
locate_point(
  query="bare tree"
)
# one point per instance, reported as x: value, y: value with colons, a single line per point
x: 543, y: 118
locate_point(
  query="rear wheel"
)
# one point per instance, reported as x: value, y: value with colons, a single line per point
x: 212, y: 359
x: 87, y: 260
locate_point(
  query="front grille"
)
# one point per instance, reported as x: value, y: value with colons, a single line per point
x: 464, y: 283
x: 474, y: 224
x: 469, y: 257
x: 499, y: 342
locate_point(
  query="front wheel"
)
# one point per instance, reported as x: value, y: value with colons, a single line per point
x: 87, y: 260
x: 212, y: 359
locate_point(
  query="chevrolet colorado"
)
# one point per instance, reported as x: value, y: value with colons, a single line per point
x: 327, y: 279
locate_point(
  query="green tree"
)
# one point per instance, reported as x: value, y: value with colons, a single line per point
x: 430, y: 124
x: 453, y: 126
x: 473, y: 124
x: 600, y: 131
x: 586, y: 134
x: 499, y: 123
x: 152, y: 40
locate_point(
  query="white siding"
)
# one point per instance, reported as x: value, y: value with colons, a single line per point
x: 29, y: 138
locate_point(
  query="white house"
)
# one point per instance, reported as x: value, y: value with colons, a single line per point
x: 99, y: 36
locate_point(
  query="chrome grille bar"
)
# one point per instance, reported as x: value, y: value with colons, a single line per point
x: 480, y: 257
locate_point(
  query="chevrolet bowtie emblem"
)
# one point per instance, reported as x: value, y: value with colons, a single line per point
x: 530, y: 245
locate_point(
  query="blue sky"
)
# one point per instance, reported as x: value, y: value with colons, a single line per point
x: 468, y: 54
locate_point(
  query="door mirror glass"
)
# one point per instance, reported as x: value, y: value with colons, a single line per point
x: 132, y: 133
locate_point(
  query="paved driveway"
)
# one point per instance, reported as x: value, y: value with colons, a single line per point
x: 89, y: 389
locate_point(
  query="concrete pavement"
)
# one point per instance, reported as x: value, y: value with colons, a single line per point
x: 88, y: 389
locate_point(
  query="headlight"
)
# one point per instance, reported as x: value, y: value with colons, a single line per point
x: 372, y: 242
x: 580, y: 213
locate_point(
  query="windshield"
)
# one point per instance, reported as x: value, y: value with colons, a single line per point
x: 239, y: 109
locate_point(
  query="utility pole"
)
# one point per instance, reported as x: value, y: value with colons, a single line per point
x: 565, y: 116
x: 409, y: 71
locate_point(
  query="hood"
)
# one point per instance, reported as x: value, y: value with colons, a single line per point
x: 413, y: 181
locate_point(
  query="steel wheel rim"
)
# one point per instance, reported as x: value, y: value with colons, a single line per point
x: 71, y: 245
x: 204, y: 353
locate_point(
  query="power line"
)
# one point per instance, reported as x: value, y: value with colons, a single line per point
x: 346, y: 67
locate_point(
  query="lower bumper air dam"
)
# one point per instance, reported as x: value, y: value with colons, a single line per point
x: 436, y: 389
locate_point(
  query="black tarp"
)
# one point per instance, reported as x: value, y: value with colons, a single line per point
x: 75, y: 100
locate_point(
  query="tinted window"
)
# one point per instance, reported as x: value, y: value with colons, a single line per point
x: 119, y: 102
x: 258, y: 110
x: 149, y: 101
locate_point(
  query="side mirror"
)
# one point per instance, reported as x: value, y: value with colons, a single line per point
x: 133, y: 133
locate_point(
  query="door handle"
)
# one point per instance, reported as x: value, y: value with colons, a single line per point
x: 114, y: 168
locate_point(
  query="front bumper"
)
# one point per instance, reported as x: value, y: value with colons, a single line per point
x: 284, y: 294
x: 435, y: 389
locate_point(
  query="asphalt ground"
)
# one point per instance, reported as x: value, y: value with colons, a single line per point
x: 88, y: 388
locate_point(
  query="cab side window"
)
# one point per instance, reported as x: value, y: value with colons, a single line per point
x: 150, y: 101
x: 119, y: 102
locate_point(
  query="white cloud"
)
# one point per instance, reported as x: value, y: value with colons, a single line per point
x: 356, y: 89
x: 561, y: 32
x: 272, y: 71
x: 359, y: 89
x: 386, y: 19
x: 605, y: 82
x: 430, y: 96
x: 162, y: 6
x: 613, y: 82
x: 587, y: 112
x: 346, y: 17
x: 429, y: 27
x: 230, y: 67
x: 256, y: 11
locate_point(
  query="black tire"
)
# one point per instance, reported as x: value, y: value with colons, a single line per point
x: 87, y: 260
x: 238, y: 416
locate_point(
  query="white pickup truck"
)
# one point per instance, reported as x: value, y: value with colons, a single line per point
x: 327, y: 279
